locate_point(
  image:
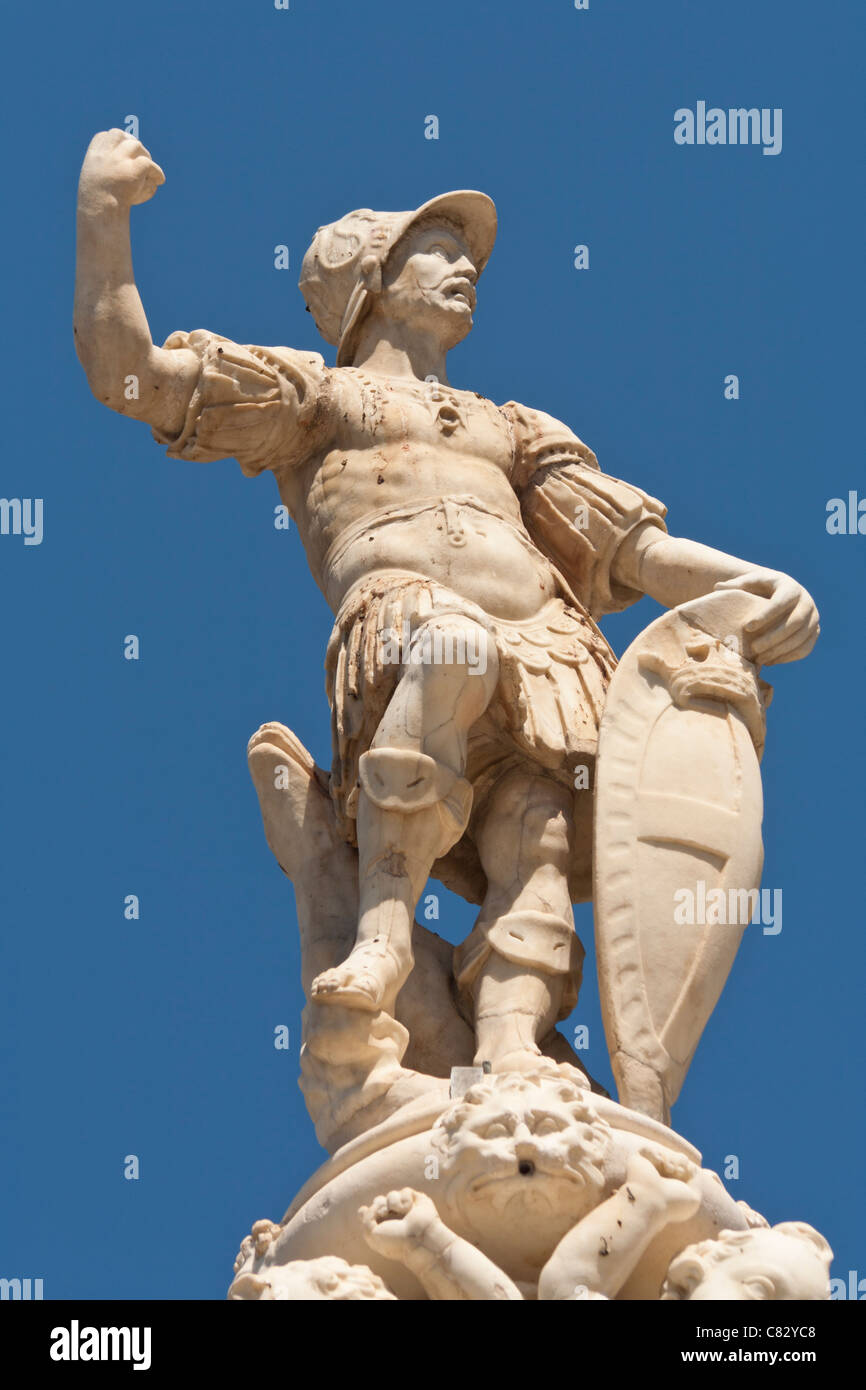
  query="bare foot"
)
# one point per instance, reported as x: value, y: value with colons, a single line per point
x: 522, y: 1059
x: 364, y: 978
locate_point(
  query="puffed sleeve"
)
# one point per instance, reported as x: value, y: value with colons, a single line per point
x: 577, y: 515
x: 263, y: 406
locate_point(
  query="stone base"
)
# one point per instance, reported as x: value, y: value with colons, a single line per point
x: 464, y: 1175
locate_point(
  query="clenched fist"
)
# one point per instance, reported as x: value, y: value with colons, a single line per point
x: 118, y: 166
x: 669, y: 1177
x: 399, y: 1222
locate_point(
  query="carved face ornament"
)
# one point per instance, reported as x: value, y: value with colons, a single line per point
x: 535, y: 1146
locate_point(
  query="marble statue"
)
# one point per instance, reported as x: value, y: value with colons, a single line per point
x: 483, y: 734
x: 538, y: 1197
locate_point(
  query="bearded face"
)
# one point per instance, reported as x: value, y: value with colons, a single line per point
x: 429, y: 282
x: 522, y: 1149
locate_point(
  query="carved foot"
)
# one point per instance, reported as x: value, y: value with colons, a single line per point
x: 532, y: 1061
x: 371, y: 972
x: 522, y: 1059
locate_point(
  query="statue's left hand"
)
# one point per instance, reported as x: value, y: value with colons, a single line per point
x: 787, y: 627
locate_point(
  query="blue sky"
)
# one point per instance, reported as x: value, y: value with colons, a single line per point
x: 155, y: 1037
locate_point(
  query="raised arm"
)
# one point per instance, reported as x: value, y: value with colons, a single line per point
x: 124, y: 369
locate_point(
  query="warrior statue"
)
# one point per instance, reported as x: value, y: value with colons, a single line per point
x: 467, y: 551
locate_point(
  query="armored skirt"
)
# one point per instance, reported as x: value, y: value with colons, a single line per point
x: 554, y: 670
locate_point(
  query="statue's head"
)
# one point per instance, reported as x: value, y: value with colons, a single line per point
x: 428, y: 281
x: 417, y: 268
x: 522, y: 1148
x: 328, y: 1277
x: 788, y: 1262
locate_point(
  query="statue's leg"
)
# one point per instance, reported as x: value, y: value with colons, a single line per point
x: 414, y: 803
x: 522, y: 960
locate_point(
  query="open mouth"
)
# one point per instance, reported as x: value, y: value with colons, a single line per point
x: 526, y: 1168
x: 463, y: 293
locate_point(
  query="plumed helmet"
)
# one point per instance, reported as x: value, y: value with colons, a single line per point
x: 344, y: 263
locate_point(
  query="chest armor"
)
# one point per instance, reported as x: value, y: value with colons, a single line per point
x: 373, y: 413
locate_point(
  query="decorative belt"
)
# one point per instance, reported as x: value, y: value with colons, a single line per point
x: 449, y: 506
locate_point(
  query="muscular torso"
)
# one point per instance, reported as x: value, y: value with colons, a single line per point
x: 416, y: 477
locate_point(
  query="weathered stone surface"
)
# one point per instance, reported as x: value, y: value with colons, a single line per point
x: 481, y: 728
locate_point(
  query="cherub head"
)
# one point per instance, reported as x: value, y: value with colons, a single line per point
x: 328, y: 1277
x: 523, y: 1145
x: 788, y: 1262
